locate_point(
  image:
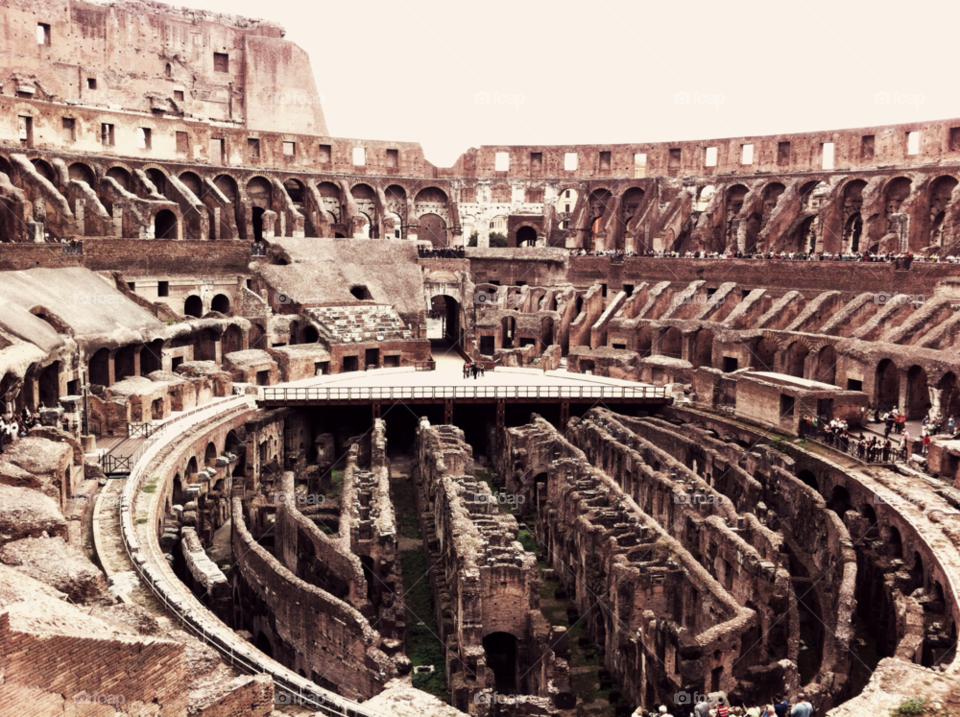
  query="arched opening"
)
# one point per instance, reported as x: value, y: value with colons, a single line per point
x: 895, y: 544
x: 361, y: 292
x: 81, y: 172
x: 48, y: 385
x: 99, y: 370
x: 805, y: 240
x: 445, y: 310
x: 526, y: 236
x: 45, y: 170
x: 761, y: 358
x: 125, y: 362
x: 433, y: 229
x: 193, y: 306
x: 887, y: 385
x: 177, y: 490
x: 949, y: 396
x: 826, y: 371
x: 644, y: 341
x: 703, y: 198
x: 165, y: 225
x: 191, y: 468
x: 839, y: 501
x: 918, y: 397
x: 220, y: 304
x: 121, y: 176
x: 809, y: 479
x: 256, y: 217
x: 795, y: 358
x: 671, y: 343
x: 232, y: 340
x: 508, y: 328
x: 394, y: 219
x: 500, y: 650
x: 210, y: 455
x: 151, y: 357
x: 310, y: 334
x: 940, y: 193
x: 852, y: 219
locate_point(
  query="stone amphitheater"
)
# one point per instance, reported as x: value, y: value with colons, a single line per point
x: 708, y: 449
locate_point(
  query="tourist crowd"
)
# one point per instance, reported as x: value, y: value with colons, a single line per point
x: 474, y: 369
x: 902, y: 260
x: 442, y: 252
x: 15, y: 426
x: 703, y: 708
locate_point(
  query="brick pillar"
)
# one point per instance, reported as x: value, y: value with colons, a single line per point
x: 112, y: 368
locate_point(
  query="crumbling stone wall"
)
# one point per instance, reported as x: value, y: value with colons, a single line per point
x: 483, y: 581
x: 305, y: 627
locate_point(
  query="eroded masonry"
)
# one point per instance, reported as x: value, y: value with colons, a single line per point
x: 713, y: 449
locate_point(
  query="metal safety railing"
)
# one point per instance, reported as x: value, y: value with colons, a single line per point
x: 455, y: 393
x: 290, y: 687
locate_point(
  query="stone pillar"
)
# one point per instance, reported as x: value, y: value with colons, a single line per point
x: 112, y: 368
x: 216, y: 223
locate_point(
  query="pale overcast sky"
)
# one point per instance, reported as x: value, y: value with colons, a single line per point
x: 452, y: 75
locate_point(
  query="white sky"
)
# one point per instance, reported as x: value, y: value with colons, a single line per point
x: 603, y: 71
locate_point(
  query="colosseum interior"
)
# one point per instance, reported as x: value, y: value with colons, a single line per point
x: 249, y: 475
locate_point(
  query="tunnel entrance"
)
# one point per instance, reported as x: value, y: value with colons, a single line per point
x: 500, y: 649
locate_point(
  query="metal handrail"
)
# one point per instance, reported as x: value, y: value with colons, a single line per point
x: 301, y: 690
x: 446, y: 393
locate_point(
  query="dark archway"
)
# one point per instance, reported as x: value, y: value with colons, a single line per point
x: 99, y: 371
x: 508, y: 325
x: 794, y: 359
x: 809, y: 479
x: 49, y: 384
x: 761, y: 359
x: 918, y: 397
x: 220, y: 304
x: 256, y: 217
x: 500, y: 649
x: 526, y: 236
x: 887, y: 385
x: 125, y: 362
x: 671, y: 343
x: 840, y: 501
x: 193, y: 306
x: 165, y: 225
x: 826, y: 370
x: 703, y: 349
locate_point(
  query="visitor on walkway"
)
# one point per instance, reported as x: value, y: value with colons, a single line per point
x: 802, y: 708
x: 702, y: 708
x: 481, y: 370
x: 722, y: 709
x: 466, y: 370
x: 952, y: 425
x: 901, y: 422
x: 926, y: 443
x: 781, y: 706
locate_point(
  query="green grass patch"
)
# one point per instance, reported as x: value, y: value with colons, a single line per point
x: 141, y: 521
x: 149, y: 488
x: 910, y: 707
x: 422, y: 644
x: 527, y: 540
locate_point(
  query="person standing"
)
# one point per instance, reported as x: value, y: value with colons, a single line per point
x: 781, y: 707
x: 802, y: 708
x: 952, y: 425
x: 722, y: 709
x: 702, y: 708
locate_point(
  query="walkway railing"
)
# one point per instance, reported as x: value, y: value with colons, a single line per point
x: 290, y: 687
x: 851, y: 446
x: 454, y: 393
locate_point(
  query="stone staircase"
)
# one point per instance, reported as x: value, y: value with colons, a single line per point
x: 359, y: 324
